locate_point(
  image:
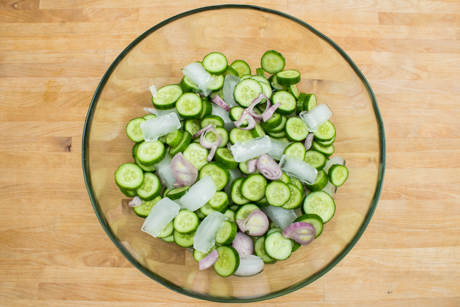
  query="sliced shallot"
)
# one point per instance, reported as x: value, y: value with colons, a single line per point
x: 183, y: 170
x: 309, y: 140
x: 210, y: 145
x: 135, y: 202
x: 150, y: 110
x: 252, y: 166
x: 201, y: 131
x: 153, y: 90
x: 256, y: 101
x: 243, y: 244
x: 246, y: 116
x: 250, y: 265
x: 221, y: 103
x: 177, y: 184
x: 256, y: 224
x: 209, y: 260
x: 269, y: 111
x: 301, y: 232
x: 268, y: 167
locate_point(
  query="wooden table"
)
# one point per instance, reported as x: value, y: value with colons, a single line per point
x: 53, y: 251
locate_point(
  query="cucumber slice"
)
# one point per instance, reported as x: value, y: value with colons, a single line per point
x: 225, y: 156
x: 212, y: 120
x: 216, y: 83
x: 230, y: 214
x: 129, y: 176
x: 186, y: 221
x: 266, y: 89
x: 272, y: 61
x: 325, y: 150
x: 338, y: 174
x: 241, y: 67
x: 272, y: 230
x: 145, y: 168
x: 259, y: 249
x: 231, y: 71
x: 189, y: 106
x: 260, y: 79
x: 253, y: 187
x: 309, y: 102
x: 243, y: 166
x: 219, y: 201
x: 295, y: 246
x: 296, y: 129
x: 186, y: 140
x: 199, y: 214
x: 235, y: 114
x: 234, y: 207
x: 200, y: 255
x: 320, y: 182
x: 258, y: 131
x: 192, y: 126
x: 165, y: 192
x: 243, y: 211
x: 278, y: 247
x: 226, y: 233
x: 129, y: 193
x: 150, y: 153
x: 150, y: 188
x: 207, y: 210
x: 182, y: 239
x: 211, y: 136
x: 167, y: 231
x: 206, y: 108
x: 325, y: 132
x: 277, y: 193
x: 237, y: 135
x: 326, y: 143
x: 188, y: 85
x: 262, y: 203
x: 173, y: 138
x: 288, y: 77
x: 228, y: 261
x: 315, y: 159
x: 295, y: 200
x: 260, y: 72
x: 277, y: 86
x: 319, y: 203
x: 287, y: 101
x: 218, y: 173
x: 215, y: 63
x: 134, y: 150
x: 168, y: 239
x: 280, y: 127
x: 133, y: 129
x: 296, y: 150
x: 144, y: 209
x: 299, y: 105
x: 294, y: 90
x: 277, y: 134
x: 315, y: 220
x: 273, y: 123
x: 298, y: 184
x: 177, y: 193
x: 285, y: 178
x: 149, y: 116
x: 167, y: 97
x: 196, y: 155
x: 246, y: 91
x: 235, y: 192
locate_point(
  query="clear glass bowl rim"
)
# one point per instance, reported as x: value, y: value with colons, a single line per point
x: 166, y: 283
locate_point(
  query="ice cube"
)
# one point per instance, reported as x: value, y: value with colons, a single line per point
x: 278, y: 148
x: 247, y: 150
x: 332, y: 161
x: 199, y: 76
x: 281, y: 217
x: 205, y: 236
x: 164, y: 171
x: 234, y: 173
x: 162, y: 125
x: 298, y: 168
x: 229, y: 87
x: 228, y: 123
x: 316, y: 117
x: 166, y: 112
x: 199, y: 194
x: 159, y: 217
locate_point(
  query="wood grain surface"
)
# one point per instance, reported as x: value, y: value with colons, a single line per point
x: 53, y: 251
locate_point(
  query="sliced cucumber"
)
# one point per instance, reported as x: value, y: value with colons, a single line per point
x: 173, y: 138
x: 150, y: 188
x: 243, y: 166
x: 296, y: 150
x: 226, y: 233
x: 260, y: 72
x: 244, y: 211
x: 167, y: 231
x: 320, y: 182
x: 129, y: 193
x: 288, y: 77
x: 207, y: 210
x: 225, y: 156
x: 150, y: 153
x: 237, y: 135
x: 315, y: 220
x: 145, y: 168
x: 216, y: 83
x: 206, y: 107
x: 228, y: 261
x: 326, y: 143
x: 186, y: 221
x: 168, y: 239
x: 272, y: 61
x: 262, y: 203
x: 218, y: 172
x: 189, y: 106
x: 212, y: 120
x: 273, y: 123
x: 280, y: 127
x: 253, y: 187
x: 149, y: 116
x: 144, y: 209
x: 231, y: 71
x: 266, y: 89
x: 309, y: 102
x: 258, y: 131
x: 295, y: 200
x: 186, y: 140
x: 259, y: 249
x: 219, y: 201
x: 241, y: 67
x: 294, y: 90
x: 325, y: 132
x: 211, y: 136
x: 277, y: 193
x: 260, y: 79
x: 129, y: 176
x: 188, y: 85
x: 199, y: 214
x: 277, y: 135
x: 235, y: 192
x: 296, y: 129
x: 215, y: 63
x: 287, y: 101
x: 319, y: 203
x: 246, y: 91
x: 325, y: 150
x: 133, y: 129
x: 298, y: 184
x: 230, y: 214
x: 200, y: 255
x: 315, y: 159
x: 197, y: 155
x: 285, y: 178
x: 183, y: 239
x: 177, y: 193
x: 167, y: 97
x: 338, y: 174
x: 278, y: 247
x: 235, y: 114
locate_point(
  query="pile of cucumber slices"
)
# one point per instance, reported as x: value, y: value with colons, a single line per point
x: 234, y: 165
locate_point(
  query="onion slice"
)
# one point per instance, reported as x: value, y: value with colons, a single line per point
x: 135, y: 202
x: 221, y: 103
x: 252, y: 166
x: 206, y: 144
x: 256, y: 224
x: 201, y: 131
x: 150, y: 110
x: 309, y: 140
x: 243, y: 244
x: 153, y: 90
x: 269, y: 111
x: 209, y: 260
x: 301, y: 232
x: 255, y: 102
x: 183, y: 170
x: 268, y: 167
x: 250, y: 265
x: 177, y: 184
x: 246, y: 116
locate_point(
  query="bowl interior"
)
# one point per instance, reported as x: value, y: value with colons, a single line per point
x: 240, y: 32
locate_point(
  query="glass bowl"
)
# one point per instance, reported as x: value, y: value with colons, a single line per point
x: 240, y: 32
